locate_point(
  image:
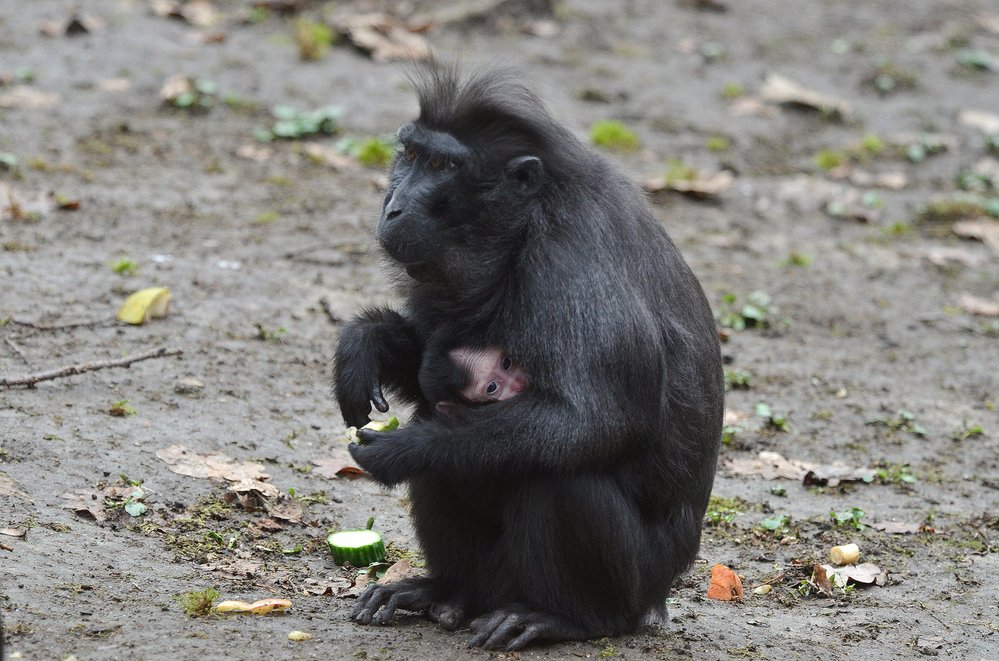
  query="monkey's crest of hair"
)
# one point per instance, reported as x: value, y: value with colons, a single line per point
x: 492, y: 109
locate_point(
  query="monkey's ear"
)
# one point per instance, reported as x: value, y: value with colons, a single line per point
x: 525, y: 173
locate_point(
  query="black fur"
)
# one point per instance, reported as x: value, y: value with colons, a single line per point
x: 569, y: 510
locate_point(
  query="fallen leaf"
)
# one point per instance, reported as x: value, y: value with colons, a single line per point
x: 930, y: 644
x: 73, y: 25
x: 145, y: 304
x: 14, y: 532
x: 360, y: 583
x: 982, y: 307
x: 725, y: 584
x: 255, y: 153
x: 702, y: 185
x: 27, y: 97
x: 328, y: 156
x: 902, y: 528
x: 947, y: 255
x: 86, y: 502
x: 8, y: 487
x: 977, y: 119
x: 772, y: 465
x: 887, y: 180
x: 286, y: 509
x: 175, y: 86
x: 778, y: 89
x: 384, y: 37
x: 821, y: 580
x: 199, y: 13
x: 338, y: 464
x: 329, y: 587
x: 986, y: 231
x: 397, y: 572
x: 216, y: 465
x: 866, y: 573
x: 751, y: 105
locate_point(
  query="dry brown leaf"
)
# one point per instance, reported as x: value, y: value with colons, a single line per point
x: 982, y: 307
x: 286, y: 509
x: 27, y: 97
x: 772, y: 465
x: 778, y: 89
x: 703, y: 185
x: 397, y: 572
x: 866, y: 573
x: 199, y: 13
x: 8, y: 487
x: 339, y: 464
x: 216, y: 465
x: 329, y: 587
x: 255, y: 153
x: 328, y: 156
x: 74, y: 24
x: 984, y: 230
x: 384, y: 37
x: 14, y: 532
x: 725, y: 584
x: 902, y: 528
x: 947, y: 255
x: 86, y: 502
x: 360, y: 583
x: 176, y: 85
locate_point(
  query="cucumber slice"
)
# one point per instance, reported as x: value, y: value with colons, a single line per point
x: 376, y: 425
x: 358, y: 547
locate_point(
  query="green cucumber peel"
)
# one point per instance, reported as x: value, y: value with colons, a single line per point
x: 375, y: 425
x: 360, y: 548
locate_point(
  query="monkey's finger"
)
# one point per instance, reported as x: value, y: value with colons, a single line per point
x: 379, y: 596
x: 388, y: 610
x: 508, y: 628
x: 379, y: 399
x: 483, y: 627
x: 531, y: 633
x: 362, y: 600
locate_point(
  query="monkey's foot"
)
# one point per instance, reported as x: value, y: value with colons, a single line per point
x: 515, y: 627
x: 379, y: 602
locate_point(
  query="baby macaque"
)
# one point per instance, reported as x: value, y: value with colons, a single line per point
x: 466, y: 375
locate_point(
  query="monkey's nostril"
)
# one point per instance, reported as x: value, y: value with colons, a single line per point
x: 392, y: 214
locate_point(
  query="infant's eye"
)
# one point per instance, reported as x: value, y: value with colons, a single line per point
x: 507, y: 364
x: 492, y: 388
x: 410, y: 153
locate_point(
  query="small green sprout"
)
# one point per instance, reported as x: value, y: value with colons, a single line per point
x: 906, y: 421
x: 275, y: 335
x: 777, y: 524
x: 736, y: 379
x: 848, y: 518
x: 373, y: 152
x: 291, y: 124
x: 717, y: 143
x: 612, y: 134
x: 732, y: 91
x: 968, y: 431
x: 829, y: 159
x: 121, y: 409
x: 775, y: 422
x: 125, y: 266
x: 312, y: 38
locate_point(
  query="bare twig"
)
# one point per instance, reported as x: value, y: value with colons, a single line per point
x: 30, y: 380
x: 61, y: 327
x: 324, y: 303
x: 16, y: 349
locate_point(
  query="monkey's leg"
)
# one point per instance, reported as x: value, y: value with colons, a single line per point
x: 573, y: 549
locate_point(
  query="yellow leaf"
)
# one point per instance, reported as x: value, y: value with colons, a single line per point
x: 144, y: 305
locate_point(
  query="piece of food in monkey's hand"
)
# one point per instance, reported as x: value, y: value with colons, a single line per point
x: 358, y: 547
x: 144, y: 305
x: 375, y: 425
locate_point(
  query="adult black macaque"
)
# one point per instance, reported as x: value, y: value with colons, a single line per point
x: 567, y: 511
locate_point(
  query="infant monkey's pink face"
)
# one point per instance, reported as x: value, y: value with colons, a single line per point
x: 492, y: 375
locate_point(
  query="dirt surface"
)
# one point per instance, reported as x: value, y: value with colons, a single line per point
x: 873, y: 359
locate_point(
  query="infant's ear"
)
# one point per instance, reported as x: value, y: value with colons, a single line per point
x: 446, y: 408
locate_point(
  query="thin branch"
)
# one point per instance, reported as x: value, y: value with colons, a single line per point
x: 30, y: 380
x: 61, y: 327
x: 324, y: 303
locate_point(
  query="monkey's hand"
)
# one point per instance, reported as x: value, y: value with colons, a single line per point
x: 389, y: 457
x: 355, y: 393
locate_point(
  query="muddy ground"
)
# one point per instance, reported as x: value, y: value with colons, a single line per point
x: 870, y: 353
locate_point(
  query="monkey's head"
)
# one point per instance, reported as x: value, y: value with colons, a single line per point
x: 468, y: 175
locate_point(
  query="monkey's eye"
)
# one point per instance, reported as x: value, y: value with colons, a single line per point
x: 410, y: 153
x: 507, y: 363
x: 492, y: 388
x: 436, y: 163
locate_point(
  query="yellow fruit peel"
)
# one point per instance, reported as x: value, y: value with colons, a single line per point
x: 144, y: 305
x: 259, y: 607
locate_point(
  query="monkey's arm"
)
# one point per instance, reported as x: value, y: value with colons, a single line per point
x: 379, y: 348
